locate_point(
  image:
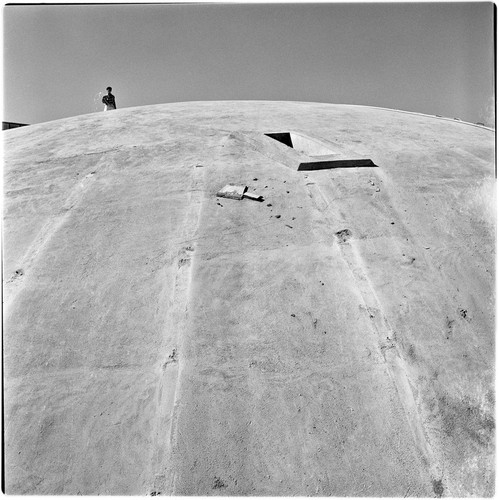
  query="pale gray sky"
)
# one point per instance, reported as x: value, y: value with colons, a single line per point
x: 434, y: 58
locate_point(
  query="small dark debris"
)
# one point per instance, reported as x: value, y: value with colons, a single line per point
x: 392, y: 222
x: 255, y: 179
x: 172, y: 358
x: 290, y: 227
x: 277, y: 216
x: 287, y: 192
x: 449, y: 325
x: 220, y: 204
x: 218, y: 483
x: 293, y: 315
x: 462, y: 312
x: 269, y: 204
x: 198, y: 166
x: 155, y: 493
x: 19, y: 272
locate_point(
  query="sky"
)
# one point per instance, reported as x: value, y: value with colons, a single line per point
x: 433, y: 58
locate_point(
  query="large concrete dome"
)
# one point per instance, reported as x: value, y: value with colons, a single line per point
x: 335, y: 339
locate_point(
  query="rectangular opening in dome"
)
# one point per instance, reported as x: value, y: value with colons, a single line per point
x: 284, y: 137
x: 320, y: 165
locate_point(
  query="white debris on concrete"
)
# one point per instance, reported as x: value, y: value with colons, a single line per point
x: 233, y: 192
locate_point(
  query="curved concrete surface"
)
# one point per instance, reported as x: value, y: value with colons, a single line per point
x: 336, y: 339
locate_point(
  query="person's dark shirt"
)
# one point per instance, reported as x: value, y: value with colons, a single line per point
x: 109, y: 100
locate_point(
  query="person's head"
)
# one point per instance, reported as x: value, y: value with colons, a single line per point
x: 109, y: 90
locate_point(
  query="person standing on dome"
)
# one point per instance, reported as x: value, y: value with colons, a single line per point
x: 109, y: 100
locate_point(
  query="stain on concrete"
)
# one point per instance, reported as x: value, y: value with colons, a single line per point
x: 438, y: 487
x: 344, y: 235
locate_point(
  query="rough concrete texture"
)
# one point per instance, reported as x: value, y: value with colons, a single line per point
x: 336, y: 339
